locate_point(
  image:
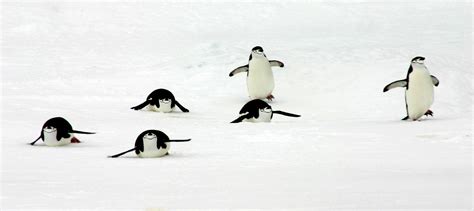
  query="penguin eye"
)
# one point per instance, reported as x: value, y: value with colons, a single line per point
x: 150, y: 98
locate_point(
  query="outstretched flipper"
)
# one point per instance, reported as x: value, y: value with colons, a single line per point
x: 241, y: 118
x: 182, y: 108
x: 395, y: 84
x: 80, y: 132
x: 138, y: 107
x: 276, y: 63
x: 286, y: 114
x: 33, y: 143
x: 435, y: 80
x: 179, y: 140
x: 122, y: 153
x: 240, y: 69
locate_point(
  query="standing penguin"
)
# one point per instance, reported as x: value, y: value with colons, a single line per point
x: 160, y: 100
x: 57, y: 132
x: 260, y: 81
x: 419, y: 92
x: 259, y: 111
x: 150, y: 144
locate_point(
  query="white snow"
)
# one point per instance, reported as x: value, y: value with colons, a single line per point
x: 90, y: 62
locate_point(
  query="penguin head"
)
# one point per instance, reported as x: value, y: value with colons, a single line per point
x: 154, y: 135
x: 150, y: 136
x: 49, y: 129
x: 418, y: 60
x: 257, y: 51
x: 165, y: 100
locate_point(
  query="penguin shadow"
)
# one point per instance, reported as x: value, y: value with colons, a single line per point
x: 175, y: 155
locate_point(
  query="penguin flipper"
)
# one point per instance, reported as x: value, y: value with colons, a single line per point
x: 435, y: 80
x: 179, y: 140
x: 240, y: 69
x: 122, y: 153
x: 241, y: 118
x: 276, y: 63
x: 138, y: 107
x: 80, y: 132
x: 406, y: 118
x: 33, y: 143
x: 395, y: 84
x: 182, y: 108
x: 286, y: 113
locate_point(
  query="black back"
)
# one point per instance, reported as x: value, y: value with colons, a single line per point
x: 160, y: 94
x: 62, y: 126
x: 160, y: 137
x: 252, y: 107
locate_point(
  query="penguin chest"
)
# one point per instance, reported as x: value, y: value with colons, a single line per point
x: 420, y: 93
x: 50, y: 139
x: 260, y: 81
x: 150, y: 149
x: 262, y: 117
x: 164, y: 107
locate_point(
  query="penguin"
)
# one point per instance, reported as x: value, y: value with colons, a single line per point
x: 160, y: 100
x: 58, y: 132
x: 260, y: 81
x: 150, y: 144
x: 419, y: 90
x: 259, y: 111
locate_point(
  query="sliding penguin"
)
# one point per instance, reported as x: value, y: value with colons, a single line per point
x: 160, y: 100
x: 260, y: 81
x: 259, y: 111
x: 57, y: 132
x: 150, y: 144
x: 419, y: 92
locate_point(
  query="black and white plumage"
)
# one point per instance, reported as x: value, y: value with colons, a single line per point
x: 150, y: 144
x: 161, y: 100
x: 57, y: 132
x: 419, y: 91
x: 260, y: 82
x: 259, y: 111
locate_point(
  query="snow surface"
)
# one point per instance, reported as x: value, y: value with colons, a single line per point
x: 90, y: 62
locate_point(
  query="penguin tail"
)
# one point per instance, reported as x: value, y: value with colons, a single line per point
x: 81, y: 132
x: 286, y: 114
x: 122, y: 153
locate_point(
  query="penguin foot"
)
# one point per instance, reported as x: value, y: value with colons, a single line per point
x: 429, y: 113
x: 270, y: 97
x: 74, y: 140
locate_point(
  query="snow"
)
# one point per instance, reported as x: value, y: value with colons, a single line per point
x: 89, y: 62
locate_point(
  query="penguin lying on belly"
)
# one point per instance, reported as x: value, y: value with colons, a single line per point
x: 150, y: 144
x: 259, y: 111
x: 57, y: 132
x: 160, y: 100
x: 260, y: 81
x: 419, y: 92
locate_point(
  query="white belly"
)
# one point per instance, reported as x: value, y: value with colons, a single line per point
x: 164, y: 107
x: 260, y: 82
x: 420, y: 94
x: 262, y: 117
x: 151, y: 151
x: 50, y: 139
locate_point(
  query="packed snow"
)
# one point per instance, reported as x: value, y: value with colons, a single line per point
x: 89, y: 62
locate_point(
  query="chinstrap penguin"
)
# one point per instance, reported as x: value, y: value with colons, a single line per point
x: 161, y: 100
x: 260, y: 82
x: 57, y: 132
x: 150, y: 144
x: 419, y: 91
x: 259, y: 111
